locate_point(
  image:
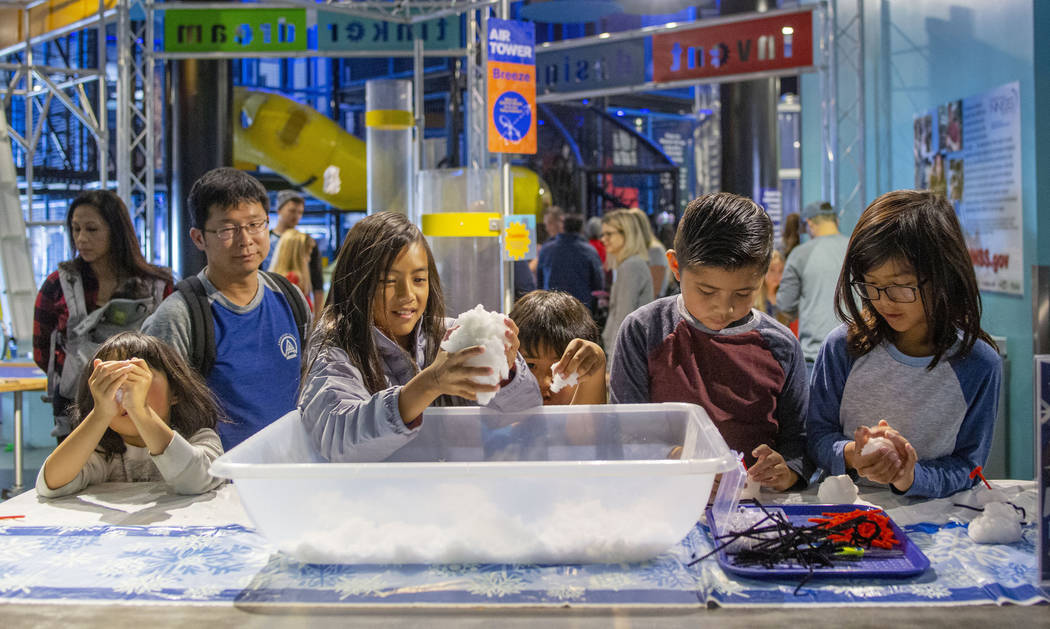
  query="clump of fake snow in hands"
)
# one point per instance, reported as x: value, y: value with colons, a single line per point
x: 488, y: 329
x: 877, y: 443
x: 560, y: 381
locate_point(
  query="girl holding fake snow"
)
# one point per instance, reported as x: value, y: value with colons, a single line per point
x: 374, y: 363
x: 911, y: 363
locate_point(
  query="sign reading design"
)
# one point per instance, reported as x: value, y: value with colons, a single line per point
x: 600, y: 66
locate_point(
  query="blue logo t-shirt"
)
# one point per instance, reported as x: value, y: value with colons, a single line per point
x: 256, y: 372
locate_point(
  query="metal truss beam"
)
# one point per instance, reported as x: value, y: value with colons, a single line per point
x: 477, y: 123
x: 136, y: 128
x: 845, y: 103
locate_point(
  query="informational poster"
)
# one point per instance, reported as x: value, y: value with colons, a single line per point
x: 511, y: 79
x: 675, y: 137
x: 771, y: 203
x: 969, y: 150
x: 519, y: 237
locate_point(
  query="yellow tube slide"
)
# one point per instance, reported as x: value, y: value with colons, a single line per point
x: 300, y: 142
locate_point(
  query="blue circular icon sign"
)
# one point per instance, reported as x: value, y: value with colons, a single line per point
x: 512, y: 116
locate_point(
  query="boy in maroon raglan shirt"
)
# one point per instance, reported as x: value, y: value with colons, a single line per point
x: 708, y: 346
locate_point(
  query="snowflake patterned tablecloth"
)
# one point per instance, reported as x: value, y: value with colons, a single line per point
x: 234, y: 565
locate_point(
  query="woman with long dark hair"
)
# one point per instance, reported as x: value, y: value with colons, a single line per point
x: 107, y: 271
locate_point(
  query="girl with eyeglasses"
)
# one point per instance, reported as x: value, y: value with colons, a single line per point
x: 911, y: 363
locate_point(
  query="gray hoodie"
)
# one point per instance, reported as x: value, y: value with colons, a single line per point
x: 346, y: 423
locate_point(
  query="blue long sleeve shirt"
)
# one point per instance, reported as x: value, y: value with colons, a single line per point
x: 947, y: 413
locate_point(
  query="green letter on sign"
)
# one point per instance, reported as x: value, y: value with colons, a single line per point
x: 234, y: 30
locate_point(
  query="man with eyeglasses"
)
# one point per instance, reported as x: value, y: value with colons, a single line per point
x: 253, y: 365
x: 811, y: 272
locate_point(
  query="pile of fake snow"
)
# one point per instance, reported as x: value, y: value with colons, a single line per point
x: 999, y: 524
x: 837, y: 490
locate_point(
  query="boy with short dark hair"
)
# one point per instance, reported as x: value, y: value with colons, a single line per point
x: 253, y: 358
x: 708, y: 346
x: 555, y: 328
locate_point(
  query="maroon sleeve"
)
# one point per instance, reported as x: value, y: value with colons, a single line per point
x: 49, y: 313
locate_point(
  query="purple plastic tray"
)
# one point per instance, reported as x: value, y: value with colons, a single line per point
x: 909, y: 563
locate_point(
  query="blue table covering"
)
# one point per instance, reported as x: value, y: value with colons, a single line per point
x: 232, y: 564
x: 21, y: 371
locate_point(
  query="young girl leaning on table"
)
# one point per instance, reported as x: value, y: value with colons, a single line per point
x: 374, y: 363
x: 911, y: 364
x: 141, y: 414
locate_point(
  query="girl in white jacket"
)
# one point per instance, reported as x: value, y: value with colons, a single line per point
x: 141, y: 414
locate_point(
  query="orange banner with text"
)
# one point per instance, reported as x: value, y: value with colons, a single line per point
x: 512, y: 107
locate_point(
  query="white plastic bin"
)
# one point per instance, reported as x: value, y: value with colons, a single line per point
x: 566, y: 484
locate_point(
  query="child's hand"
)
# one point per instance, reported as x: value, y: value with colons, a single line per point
x: 583, y: 358
x: 136, y: 387
x: 105, y: 379
x: 770, y: 470
x: 883, y: 429
x: 881, y: 466
x: 450, y: 375
x: 511, y: 342
x: 904, y: 452
x: 906, y: 477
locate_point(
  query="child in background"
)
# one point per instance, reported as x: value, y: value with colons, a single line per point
x: 708, y: 346
x: 374, y: 363
x: 911, y: 363
x: 555, y: 328
x: 766, y: 295
x: 292, y: 260
x: 141, y: 414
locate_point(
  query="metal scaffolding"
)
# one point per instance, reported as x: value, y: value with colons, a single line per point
x: 841, y: 50
x: 136, y: 125
x: 477, y: 122
x: 43, y: 86
x: 845, y: 99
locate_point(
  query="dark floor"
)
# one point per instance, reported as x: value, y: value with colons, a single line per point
x: 32, y: 459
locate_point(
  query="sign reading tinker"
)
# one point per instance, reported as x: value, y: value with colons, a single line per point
x: 511, y: 79
x: 338, y: 31
x: 780, y: 42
